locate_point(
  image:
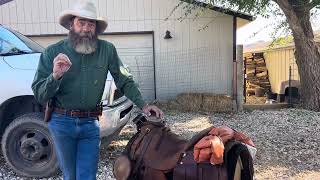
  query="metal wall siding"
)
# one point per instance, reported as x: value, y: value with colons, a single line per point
x: 192, y: 60
x: 278, y: 63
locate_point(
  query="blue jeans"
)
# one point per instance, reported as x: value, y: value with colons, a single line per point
x: 77, y: 143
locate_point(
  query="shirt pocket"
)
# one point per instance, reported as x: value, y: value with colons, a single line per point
x: 98, y: 73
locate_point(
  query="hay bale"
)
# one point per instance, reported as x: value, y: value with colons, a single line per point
x: 216, y: 103
x: 168, y: 105
x: 195, y: 102
x: 189, y: 101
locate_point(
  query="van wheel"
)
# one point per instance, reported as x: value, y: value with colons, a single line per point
x: 28, y: 147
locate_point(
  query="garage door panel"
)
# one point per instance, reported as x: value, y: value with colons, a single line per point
x: 148, y: 94
x: 134, y: 60
x: 141, y: 70
x: 144, y: 79
x: 136, y: 52
x: 125, y: 41
x: 144, y: 84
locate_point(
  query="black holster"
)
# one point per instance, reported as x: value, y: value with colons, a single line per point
x: 49, y: 110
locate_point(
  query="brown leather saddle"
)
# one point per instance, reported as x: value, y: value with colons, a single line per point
x: 156, y: 153
x: 163, y: 148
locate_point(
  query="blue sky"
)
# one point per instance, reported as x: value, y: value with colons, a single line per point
x: 245, y: 35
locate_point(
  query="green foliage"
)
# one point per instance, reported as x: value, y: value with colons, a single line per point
x: 253, y: 7
x: 282, y: 41
x: 264, y: 8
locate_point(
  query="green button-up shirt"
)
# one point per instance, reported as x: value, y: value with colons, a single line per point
x: 82, y: 86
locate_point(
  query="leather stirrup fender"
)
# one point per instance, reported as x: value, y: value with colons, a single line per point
x: 122, y: 168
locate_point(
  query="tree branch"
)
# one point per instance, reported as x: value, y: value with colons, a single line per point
x: 313, y: 4
x: 288, y: 10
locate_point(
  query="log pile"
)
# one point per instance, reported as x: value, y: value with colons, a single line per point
x: 256, y: 73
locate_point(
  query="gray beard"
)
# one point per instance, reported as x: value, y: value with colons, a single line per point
x: 83, y: 44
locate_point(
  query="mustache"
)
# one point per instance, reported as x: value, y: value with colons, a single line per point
x: 86, y: 34
x: 82, y: 35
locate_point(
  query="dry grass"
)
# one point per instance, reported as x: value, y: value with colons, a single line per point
x: 204, y: 102
x: 190, y: 101
x: 216, y: 103
x: 255, y: 100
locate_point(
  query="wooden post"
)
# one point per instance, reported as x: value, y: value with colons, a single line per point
x: 240, y: 77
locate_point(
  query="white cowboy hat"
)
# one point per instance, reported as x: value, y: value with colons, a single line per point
x: 84, y: 9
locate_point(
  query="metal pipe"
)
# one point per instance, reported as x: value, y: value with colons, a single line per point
x: 289, y: 89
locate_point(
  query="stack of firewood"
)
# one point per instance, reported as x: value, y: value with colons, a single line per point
x: 257, y: 79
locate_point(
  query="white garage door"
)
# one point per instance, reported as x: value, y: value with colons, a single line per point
x: 135, y: 51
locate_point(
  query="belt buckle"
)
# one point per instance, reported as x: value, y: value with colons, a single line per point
x: 72, y: 113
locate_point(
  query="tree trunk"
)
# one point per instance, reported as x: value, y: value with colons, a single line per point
x: 307, y: 52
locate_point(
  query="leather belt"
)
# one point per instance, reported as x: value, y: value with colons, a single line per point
x: 78, y: 113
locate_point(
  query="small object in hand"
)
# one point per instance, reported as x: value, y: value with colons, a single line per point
x: 61, y: 64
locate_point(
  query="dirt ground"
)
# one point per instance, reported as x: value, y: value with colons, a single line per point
x: 287, y: 141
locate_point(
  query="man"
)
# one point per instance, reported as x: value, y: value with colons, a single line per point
x: 73, y: 72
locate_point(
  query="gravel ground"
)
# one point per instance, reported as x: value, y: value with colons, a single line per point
x: 288, y: 141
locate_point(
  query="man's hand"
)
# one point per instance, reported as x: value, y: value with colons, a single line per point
x: 152, y: 109
x: 61, y: 64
